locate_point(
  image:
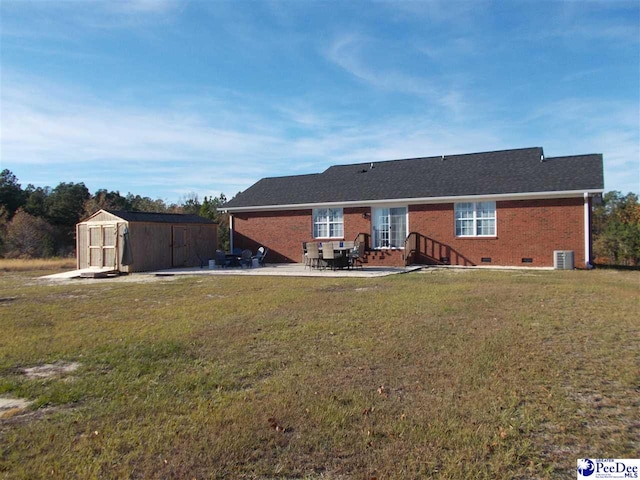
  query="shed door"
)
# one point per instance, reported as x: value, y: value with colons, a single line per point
x: 179, y: 245
x: 102, y: 245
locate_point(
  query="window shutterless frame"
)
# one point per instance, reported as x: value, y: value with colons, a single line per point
x: 328, y: 223
x: 475, y: 219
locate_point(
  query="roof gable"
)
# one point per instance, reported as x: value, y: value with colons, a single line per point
x: 101, y: 216
x: 489, y: 173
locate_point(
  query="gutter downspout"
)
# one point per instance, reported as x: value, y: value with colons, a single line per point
x: 230, y: 232
x: 587, y: 231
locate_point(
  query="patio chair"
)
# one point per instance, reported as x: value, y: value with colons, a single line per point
x: 221, y: 260
x: 329, y: 255
x: 356, y: 255
x: 246, y: 258
x: 313, y: 255
x: 203, y: 261
x: 262, y: 252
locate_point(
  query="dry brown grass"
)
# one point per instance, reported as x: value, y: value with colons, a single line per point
x: 36, y: 264
x: 427, y: 375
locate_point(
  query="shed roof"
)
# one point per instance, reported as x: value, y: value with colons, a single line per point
x: 489, y: 173
x: 152, y: 217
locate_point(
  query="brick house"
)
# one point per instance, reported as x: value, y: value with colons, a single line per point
x: 507, y: 208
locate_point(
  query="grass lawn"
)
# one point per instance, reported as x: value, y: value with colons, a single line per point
x: 439, y: 374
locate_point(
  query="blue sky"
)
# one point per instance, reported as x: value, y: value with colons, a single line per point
x: 166, y: 98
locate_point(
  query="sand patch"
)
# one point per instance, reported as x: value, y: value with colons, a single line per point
x: 49, y: 370
x: 10, y: 407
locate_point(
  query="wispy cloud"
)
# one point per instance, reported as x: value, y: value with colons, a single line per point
x: 577, y: 22
x: 63, y: 20
x: 59, y: 130
x: 143, y: 6
x: 52, y: 129
x: 227, y: 142
x: 437, y: 11
x: 455, y: 47
x: 590, y: 125
x: 347, y: 52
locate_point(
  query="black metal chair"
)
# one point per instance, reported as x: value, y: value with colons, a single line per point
x: 246, y: 258
x: 221, y: 259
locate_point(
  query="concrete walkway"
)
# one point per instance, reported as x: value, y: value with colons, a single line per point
x: 288, y: 270
x: 79, y: 273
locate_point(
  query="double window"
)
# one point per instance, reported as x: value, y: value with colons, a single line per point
x: 475, y: 219
x: 389, y: 227
x: 328, y: 223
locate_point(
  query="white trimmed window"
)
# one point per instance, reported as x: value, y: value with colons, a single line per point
x: 475, y: 219
x: 328, y: 223
x: 389, y: 227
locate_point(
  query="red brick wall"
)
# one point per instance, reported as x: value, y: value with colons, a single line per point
x: 525, y: 229
x: 355, y: 223
x: 281, y: 232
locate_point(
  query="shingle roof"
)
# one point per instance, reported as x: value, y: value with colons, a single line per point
x: 499, y: 172
x: 158, y: 217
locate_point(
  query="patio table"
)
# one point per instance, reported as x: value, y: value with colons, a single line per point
x: 234, y: 260
x: 341, y: 259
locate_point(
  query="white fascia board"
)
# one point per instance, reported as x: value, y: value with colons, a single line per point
x: 421, y: 201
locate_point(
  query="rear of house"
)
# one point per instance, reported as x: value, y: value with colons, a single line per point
x: 139, y: 241
x: 505, y: 208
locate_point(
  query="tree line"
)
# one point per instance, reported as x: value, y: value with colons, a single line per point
x: 38, y: 222
x: 616, y: 229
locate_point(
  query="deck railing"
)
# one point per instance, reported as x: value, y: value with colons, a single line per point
x: 423, y: 250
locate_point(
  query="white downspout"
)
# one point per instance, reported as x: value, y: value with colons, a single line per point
x: 587, y: 231
x: 230, y: 233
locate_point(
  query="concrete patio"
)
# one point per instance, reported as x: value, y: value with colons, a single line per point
x: 283, y: 270
x: 288, y: 270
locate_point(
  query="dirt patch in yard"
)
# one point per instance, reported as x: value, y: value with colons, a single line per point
x: 20, y: 416
x: 10, y: 407
x: 49, y: 370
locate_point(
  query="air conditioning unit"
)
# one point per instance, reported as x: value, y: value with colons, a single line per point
x: 563, y: 259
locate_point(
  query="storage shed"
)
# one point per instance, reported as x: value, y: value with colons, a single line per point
x: 140, y: 241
